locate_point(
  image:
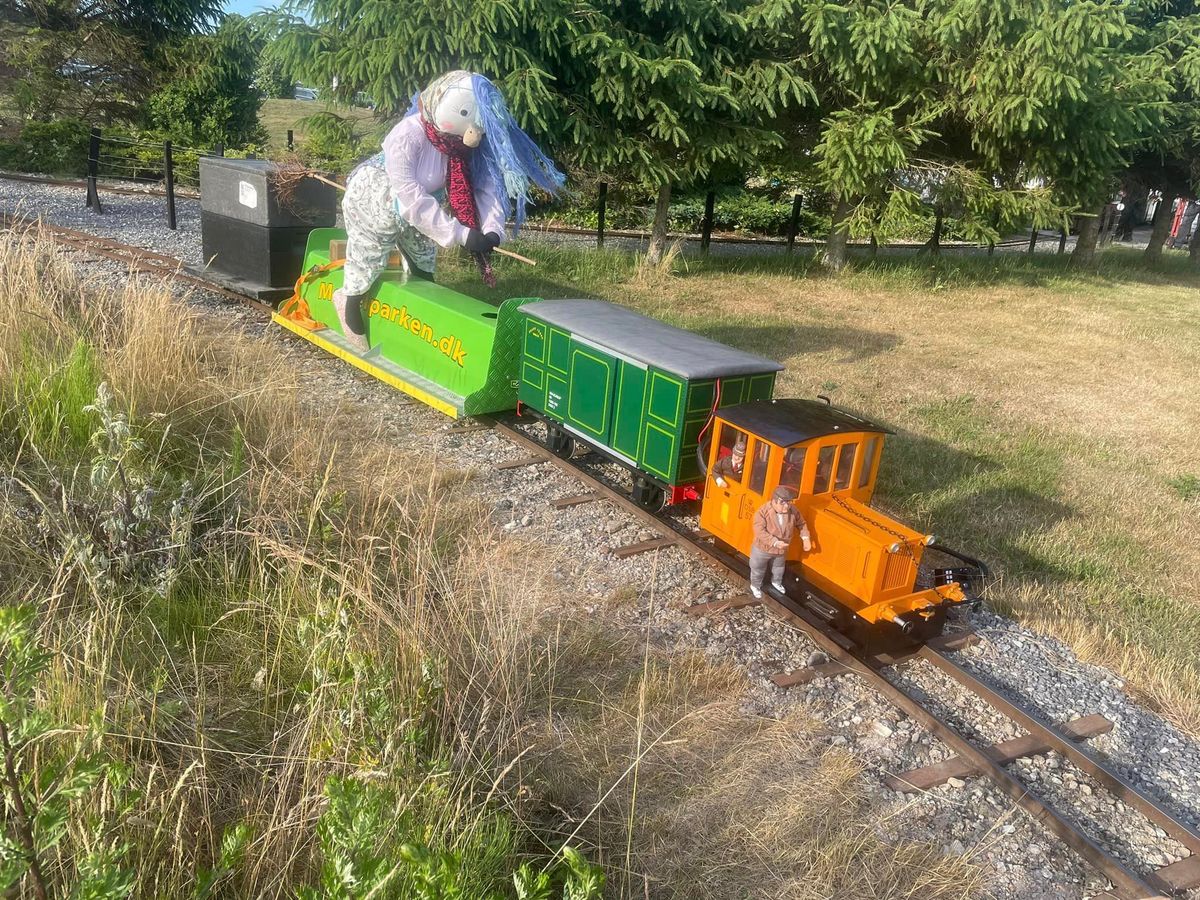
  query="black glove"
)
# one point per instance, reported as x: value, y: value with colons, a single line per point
x: 478, y: 242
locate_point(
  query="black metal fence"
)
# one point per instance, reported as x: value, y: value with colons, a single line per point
x: 158, y: 164
x: 171, y: 167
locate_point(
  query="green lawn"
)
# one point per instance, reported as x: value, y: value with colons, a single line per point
x: 277, y: 116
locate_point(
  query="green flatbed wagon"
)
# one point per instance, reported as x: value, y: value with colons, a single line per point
x: 450, y: 351
x: 633, y: 387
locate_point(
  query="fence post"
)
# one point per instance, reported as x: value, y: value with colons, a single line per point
x: 219, y: 150
x: 290, y: 140
x: 794, y: 221
x: 706, y: 226
x: 1033, y: 239
x: 93, y: 170
x: 601, y: 204
x: 1062, y: 241
x: 169, y: 166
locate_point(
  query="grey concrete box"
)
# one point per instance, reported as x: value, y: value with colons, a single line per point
x: 245, y: 190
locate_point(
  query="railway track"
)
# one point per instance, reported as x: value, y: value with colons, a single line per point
x: 136, y: 259
x: 844, y: 657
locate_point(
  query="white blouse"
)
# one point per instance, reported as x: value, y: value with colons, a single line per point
x: 417, y: 170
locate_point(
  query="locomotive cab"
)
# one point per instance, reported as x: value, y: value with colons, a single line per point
x: 863, y: 561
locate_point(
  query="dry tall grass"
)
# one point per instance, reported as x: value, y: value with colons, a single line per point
x: 251, y: 602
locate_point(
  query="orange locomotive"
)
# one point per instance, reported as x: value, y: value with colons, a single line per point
x: 861, y: 571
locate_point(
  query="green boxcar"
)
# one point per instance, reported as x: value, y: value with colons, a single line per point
x: 631, y: 385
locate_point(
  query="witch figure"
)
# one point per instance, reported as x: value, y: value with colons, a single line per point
x: 451, y: 173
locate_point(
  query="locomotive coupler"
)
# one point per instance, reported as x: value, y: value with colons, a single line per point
x: 968, y: 578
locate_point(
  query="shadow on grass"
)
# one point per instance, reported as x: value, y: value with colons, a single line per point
x: 782, y: 342
x: 979, y: 505
x: 1002, y: 523
x: 574, y: 271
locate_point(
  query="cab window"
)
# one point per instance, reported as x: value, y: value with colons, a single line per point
x: 824, y: 469
x: 793, y: 468
x: 724, y: 464
x: 868, y: 462
x: 845, y: 466
x: 758, y: 470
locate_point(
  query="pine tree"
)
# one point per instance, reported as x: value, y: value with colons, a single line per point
x: 658, y: 94
x: 1168, y: 159
x: 94, y: 59
x: 1000, y: 110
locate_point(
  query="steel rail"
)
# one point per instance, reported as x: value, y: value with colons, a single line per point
x: 1112, y: 781
x: 144, y: 261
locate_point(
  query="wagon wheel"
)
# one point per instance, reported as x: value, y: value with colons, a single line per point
x: 648, y: 495
x: 560, y: 443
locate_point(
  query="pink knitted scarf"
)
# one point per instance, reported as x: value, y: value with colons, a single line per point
x: 458, y: 187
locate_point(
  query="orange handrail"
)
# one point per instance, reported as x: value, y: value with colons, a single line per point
x: 295, y: 307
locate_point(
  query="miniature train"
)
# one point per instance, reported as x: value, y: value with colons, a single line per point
x: 664, y: 403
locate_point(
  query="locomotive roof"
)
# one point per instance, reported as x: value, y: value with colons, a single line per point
x: 787, y: 422
x: 648, y: 340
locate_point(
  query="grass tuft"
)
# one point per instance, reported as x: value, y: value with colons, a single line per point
x: 1186, y: 486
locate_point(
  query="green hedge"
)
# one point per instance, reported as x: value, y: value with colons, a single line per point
x: 51, y: 148
x: 736, y: 210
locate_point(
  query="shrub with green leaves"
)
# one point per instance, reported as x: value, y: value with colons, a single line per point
x: 47, y: 775
x: 53, y: 148
x: 366, y: 852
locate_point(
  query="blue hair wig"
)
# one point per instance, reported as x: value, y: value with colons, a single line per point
x: 510, y: 158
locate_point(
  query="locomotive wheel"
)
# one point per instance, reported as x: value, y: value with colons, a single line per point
x: 560, y: 443
x: 648, y: 495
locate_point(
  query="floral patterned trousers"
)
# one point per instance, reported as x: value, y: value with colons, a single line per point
x: 374, y: 229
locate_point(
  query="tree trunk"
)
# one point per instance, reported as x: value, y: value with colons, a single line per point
x: 1084, y: 253
x: 1194, y: 248
x: 658, y: 233
x: 935, y: 240
x: 1124, y: 230
x: 1160, y: 230
x: 835, y: 247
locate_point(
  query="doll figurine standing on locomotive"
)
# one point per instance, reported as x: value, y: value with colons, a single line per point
x: 458, y: 146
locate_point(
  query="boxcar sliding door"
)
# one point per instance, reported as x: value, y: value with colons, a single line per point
x: 627, y: 412
x: 591, y: 379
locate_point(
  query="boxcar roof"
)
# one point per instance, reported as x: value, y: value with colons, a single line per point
x: 647, y: 340
x: 787, y: 422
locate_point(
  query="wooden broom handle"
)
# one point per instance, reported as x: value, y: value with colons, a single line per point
x: 517, y: 256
